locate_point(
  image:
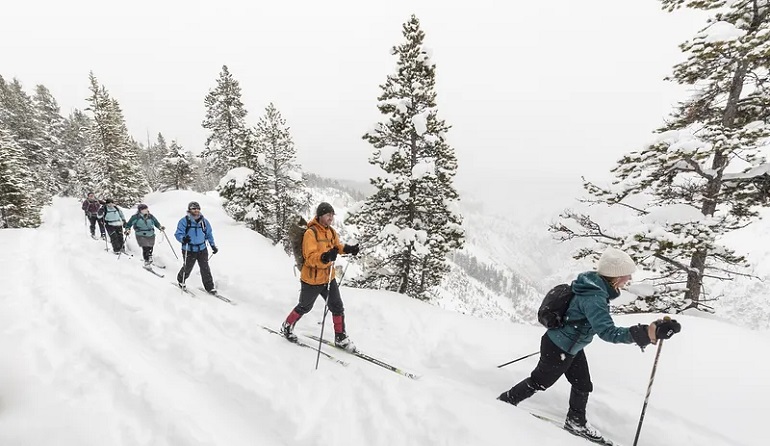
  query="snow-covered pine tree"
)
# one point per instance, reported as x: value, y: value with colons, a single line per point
x: 52, y: 125
x: 704, y: 175
x: 230, y: 143
x: 113, y: 154
x: 75, y: 176
x: 411, y: 223
x: 19, y: 117
x: 177, y: 169
x: 152, y: 158
x: 287, y: 196
x: 17, y: 208
x: 244, y: 191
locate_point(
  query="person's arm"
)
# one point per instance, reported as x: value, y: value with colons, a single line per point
x: 85, y: 205
x: 209, y: 232
x: 596, y: 310
x: 131, y: 222
x: 180, y: 230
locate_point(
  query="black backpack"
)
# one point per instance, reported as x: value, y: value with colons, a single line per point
x: 554, y: 307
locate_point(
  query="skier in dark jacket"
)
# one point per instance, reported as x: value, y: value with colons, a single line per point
x: 91, y: 207
x: 561, y: 349
x: 144, y: 225
x: 193, y: 231
x: 113, y: 222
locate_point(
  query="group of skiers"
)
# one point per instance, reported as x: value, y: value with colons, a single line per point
x: 320, y: 247
x: 193, y: 232
x: 561, y: 348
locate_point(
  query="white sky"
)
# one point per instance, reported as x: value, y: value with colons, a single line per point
x: 538, y: 93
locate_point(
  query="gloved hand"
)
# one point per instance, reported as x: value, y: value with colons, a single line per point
x: 352, y: 249
x: 128, y: 231
x: 640, y: 335
x: 665, y: 328
x: 186, y: 239
x: 214, y: 249
x: 162, y: 228
x: 330, y: 255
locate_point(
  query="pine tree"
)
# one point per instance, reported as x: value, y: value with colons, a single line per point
x: 705, y: 175
x: 286, y: 197
x: 112, y: 153
x: 19, y: 117
x: 17, y: 210
x: 76, y: 176
x: 177, y: 170
x: 412, y: 216
x: 244, y: 191
x: 230, y: 143
x: 151, y: 158
x: 52, y: 125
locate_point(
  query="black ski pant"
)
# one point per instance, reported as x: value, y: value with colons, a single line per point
x: 94, y: 219
x: 147, y: 252
x: 116, y: 237
x: 309, y: 293
x: 202, y: 257
x: 554, y: 363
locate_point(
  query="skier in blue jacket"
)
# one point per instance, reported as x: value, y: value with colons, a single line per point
x: 193, y: 231
x: 588, y: 314
x: 113, y: 221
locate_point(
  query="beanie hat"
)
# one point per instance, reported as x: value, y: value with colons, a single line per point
x: 615, y: 263
x: 109, y: 200
x: 323, y: 209
x: 193, y: 205
x: 142, y: 206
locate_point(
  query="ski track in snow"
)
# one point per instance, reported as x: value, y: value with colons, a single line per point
x: 98, y: 352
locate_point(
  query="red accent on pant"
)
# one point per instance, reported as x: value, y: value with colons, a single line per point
x: 339, y: 323
x: 293, y: 317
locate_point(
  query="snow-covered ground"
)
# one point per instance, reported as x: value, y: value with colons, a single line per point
x: 96, y: 351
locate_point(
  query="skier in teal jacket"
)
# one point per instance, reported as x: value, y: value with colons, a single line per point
x: 144, y: 224
x: 588, y: 314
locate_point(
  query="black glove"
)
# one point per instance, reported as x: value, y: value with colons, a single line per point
x: 665, y: 328
x: 639, y: 335
x: 214, y: 250
x: 185, y: 239
x: 352, y: 249
x: 330, y: 255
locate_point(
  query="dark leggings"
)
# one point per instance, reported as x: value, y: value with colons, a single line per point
x: 309, y: 293
x: 202, y: 257
x: 554, y: 363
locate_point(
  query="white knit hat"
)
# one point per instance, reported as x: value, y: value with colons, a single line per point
x: 615, y: 263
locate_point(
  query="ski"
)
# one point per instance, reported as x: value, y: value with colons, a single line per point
x: 302, y: 344
x: 185, y: 290
x: 366, y: 357
x: 560, y: 424
x: 218, y: 296
x: 149, y: 269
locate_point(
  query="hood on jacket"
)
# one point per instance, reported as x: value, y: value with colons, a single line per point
x: 592, y: 283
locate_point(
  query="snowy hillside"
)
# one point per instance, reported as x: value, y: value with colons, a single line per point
x: 96, y: 351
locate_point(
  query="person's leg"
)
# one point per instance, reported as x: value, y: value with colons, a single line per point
x: 92, y: 219
x: 203, y: 264
x: 334, y: 302
x: 187, y: 268
x: 307, y: 296
x: 579, y: 376
x: 115, y: 239
x: 552, y: 364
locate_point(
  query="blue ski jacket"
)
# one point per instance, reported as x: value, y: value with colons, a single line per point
x: 199, y: 231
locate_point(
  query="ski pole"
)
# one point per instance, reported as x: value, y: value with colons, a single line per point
x: 342, y: 277
x: 169, y: 244
x: 184, y: 268
x: 649, y: 389
x: 123, y: 244
x: 326, y: 310
x: 519, y: 359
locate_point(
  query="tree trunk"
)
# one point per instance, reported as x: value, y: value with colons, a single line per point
x: 713, y: 187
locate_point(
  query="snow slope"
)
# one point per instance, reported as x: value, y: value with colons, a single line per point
x: 96, y: 351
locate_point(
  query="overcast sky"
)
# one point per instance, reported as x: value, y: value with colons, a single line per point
x: 538, y: 93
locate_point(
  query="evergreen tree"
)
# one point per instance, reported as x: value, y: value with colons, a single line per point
x: 113, y: 154
x: 230, y: 143
x: 75, y: 174
x: 19, y: 117
x: 17, y: 209
x: 705, y: 175
x: 177, y: 170
x: 152, y: 158
x: 412, y: 217
x: 52, y: 125
x: 244, y: 191
x: 286, y: 197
